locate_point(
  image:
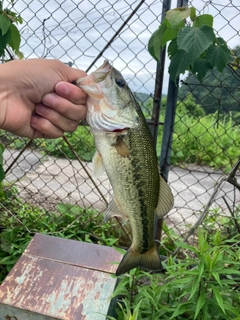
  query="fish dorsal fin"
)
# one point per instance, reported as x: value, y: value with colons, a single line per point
x: 98, y: 167
x: 165, y: 199
x: 122, y: 148
x: 113, y: 210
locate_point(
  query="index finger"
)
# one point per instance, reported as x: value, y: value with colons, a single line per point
x: 70, y: 92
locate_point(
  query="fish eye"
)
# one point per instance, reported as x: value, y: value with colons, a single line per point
x: 120, y: 82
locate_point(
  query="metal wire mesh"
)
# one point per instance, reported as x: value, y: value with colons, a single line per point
x: 76, y: 33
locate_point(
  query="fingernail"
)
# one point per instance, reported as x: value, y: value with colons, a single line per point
x: 40, y: 109
x: 48, y: 99
x: 33, y: 120
x: 62, y: 87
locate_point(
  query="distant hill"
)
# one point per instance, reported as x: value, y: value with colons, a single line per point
x: 142, y: 97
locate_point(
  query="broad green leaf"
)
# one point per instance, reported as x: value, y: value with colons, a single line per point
x: 200, y: 303
x: 4, y: 24
x: 195, y: 41
x: 172, y: 48
x: 1, y: 173
x: 219, y: 56
x: 175, y: 16
x: 168, y: 35
x: 4, y: 40
x: 15, y: 38
x: 201, y: 68
x: 204, y: 19
x: 220, y: 41
x: 179, y: 64
x: 192, y: 13
x: 218, y: 297
x: 154, y: 43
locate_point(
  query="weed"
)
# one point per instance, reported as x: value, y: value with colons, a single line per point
x: 201, y: 288
x: 20, y: 221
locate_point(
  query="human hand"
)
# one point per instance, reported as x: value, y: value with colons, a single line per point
x: 38, y: 99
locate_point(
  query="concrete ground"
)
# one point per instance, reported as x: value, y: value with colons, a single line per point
x: 46, y: 181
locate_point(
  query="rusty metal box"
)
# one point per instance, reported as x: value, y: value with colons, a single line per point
x: 57, y: 278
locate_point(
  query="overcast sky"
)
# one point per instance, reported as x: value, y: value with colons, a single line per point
x: 77, y: 31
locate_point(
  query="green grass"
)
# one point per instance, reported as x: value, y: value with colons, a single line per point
x: 204, y: 141
x: 81, y: 139
x: 20, y: 221
x: 202, y: 286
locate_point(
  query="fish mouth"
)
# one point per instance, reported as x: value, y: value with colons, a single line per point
x: 120, y: 130
x: 96, y: 77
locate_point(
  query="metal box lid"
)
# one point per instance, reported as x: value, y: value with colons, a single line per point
x: 57, y: 278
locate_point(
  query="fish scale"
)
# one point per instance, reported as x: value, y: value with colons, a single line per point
x: 126, y: 152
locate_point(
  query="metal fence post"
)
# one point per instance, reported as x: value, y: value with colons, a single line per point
x: 168, y: 133
x: 154, y: 121
x: 169, y: 119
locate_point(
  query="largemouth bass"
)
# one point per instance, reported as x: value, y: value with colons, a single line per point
x: 126, y: 151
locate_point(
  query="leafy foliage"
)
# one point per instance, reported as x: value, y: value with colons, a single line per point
x: 201, y: 139
x: 217, y: 92
x: 1, y: 164
x: 205, y: 285
x: 205, y: 141
x: 81, y: 140
x: 19, y: 221
x: 9, y: 34
x: 218, y: 219
x: 193, y: 44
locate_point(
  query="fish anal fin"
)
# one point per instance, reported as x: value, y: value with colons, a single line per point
x: 98, y: 167
x: 113, y: 210
x: 149, y: 260
x: 165, y: 199
x: 122, y: 148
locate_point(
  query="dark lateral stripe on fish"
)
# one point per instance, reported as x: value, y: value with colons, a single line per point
x: 141, y: 197
x: 145, y: 245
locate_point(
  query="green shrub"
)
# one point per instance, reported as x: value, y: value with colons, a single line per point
x: 204, y: 285
x: 20, y: 221
x: 81, y: 139
x: 204, y: 141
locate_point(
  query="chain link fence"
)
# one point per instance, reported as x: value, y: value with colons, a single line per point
x: 49, y: 173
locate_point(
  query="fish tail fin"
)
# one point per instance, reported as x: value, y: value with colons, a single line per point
x: 149, y: 260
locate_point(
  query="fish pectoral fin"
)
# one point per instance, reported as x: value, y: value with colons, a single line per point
x: 113, y: 210
x: 165, y: 199
x: 98, y: 167
x: 149, y: 260
x: 122, y: 148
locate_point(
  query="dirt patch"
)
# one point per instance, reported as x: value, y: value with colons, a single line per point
x: 40, y: 200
